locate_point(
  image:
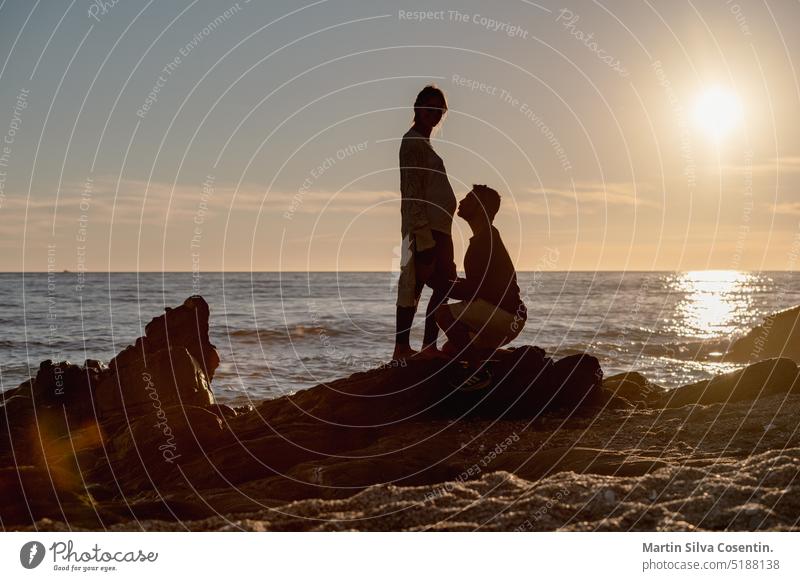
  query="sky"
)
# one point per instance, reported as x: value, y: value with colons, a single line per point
x: 206, y: 136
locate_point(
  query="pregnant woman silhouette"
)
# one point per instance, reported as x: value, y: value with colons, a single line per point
x: 427, y: 206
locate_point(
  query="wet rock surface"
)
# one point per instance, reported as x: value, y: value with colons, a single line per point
x: 142, y: 445
x: 777, y: 336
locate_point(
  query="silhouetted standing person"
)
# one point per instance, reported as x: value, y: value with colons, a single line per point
x: 427, y: 207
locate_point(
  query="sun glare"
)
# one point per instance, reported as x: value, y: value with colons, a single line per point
x: 713, y: 303
x: 717, y: 112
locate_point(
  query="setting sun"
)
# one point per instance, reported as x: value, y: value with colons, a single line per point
x: 717, y: 112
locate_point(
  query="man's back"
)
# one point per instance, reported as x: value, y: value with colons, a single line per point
x: 490, y: 273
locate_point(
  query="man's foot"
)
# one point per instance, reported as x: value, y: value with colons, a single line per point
x: 430, y: 352
x: 403, y: 352
x: 479, y: 379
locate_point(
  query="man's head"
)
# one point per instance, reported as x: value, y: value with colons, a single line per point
x: 480, y: 204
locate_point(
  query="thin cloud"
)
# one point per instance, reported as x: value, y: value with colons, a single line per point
x: 185, y: 201
x: 608, y: 193
x: 785, y: 164
x: 787, y: 208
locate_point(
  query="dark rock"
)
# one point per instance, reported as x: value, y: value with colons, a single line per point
x: 67, y: 385
x: 18, y: 409
x: 147, y: 453
x: 24, y: 389
x: 527, y: 383
x: 577, y: 380
x: 761, y: 379
x: 172, y: 364
x: 373, y: 398
x: 777, y: 336
x: 51, y: 406
x: 167, y: 434
x: 633, y: 387
x: 185, y: 326
x: 29, y: 493
x: 275, y: 452
x: 223, y: 411
x: 138, y: 383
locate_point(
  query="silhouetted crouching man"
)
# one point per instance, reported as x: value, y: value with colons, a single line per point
x: 491, y: 312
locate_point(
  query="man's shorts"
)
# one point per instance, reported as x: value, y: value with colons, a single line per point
x: 490, y: 326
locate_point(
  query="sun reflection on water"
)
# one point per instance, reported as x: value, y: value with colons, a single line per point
x: 713, y: 303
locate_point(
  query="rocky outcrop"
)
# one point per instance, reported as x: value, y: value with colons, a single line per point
x: 137, y: 382
x: 71, y: 421
x: 172, y: 364
x: 298, y: 442
x: 762, y: 379
x: 777, y: 336
x: 143, y: 438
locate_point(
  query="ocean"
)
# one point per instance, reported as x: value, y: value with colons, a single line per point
x: 281, y: 332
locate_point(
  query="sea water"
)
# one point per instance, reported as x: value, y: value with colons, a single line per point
x: 280, y: 332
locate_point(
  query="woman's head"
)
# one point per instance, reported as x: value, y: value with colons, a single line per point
x: 430, y: 106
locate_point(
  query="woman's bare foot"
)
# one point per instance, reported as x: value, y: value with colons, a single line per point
x: 402, y: 352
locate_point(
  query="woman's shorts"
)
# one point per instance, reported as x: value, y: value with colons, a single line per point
x: 434, y: 266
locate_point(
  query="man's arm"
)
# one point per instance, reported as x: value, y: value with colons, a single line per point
x: 476, y: 268
x: 462, y: 289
